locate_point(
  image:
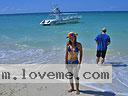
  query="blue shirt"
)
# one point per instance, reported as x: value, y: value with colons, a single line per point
x: 102, y: 40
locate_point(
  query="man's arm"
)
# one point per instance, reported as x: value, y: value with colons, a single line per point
x: 96, y: 39
x: 97, y: 42
x: 109, y: 41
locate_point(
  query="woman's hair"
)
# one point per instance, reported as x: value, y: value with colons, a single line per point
x: 71, y: 42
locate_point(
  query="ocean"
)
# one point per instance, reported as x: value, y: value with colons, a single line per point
x: 24, y: 41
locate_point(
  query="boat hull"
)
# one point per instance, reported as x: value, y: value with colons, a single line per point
x: 59, y: 22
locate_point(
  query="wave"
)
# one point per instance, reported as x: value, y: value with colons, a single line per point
x: 31, y: 56
x: 2, y: 55
x: 119, y: 83
x: 105, y: 89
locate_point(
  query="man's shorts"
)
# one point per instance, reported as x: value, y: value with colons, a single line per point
x: 101, y: 53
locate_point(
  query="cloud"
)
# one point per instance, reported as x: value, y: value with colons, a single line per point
x: 12, y: 9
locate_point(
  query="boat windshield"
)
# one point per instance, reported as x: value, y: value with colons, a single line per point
x: 63, y: 16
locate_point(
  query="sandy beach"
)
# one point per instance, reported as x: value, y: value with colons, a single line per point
x: 41, y: 90
x: 57, y: 89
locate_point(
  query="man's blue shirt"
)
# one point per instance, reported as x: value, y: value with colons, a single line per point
x: 102, y: 40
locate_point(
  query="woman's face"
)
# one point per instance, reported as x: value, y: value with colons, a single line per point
x: 72, y: 39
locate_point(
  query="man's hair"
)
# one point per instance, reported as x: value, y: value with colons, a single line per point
x: 104, y: 30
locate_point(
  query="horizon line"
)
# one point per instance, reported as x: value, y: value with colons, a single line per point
x: 61, y: 12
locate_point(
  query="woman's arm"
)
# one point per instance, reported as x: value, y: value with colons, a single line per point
x: 81, y: 53
x: 66, y: 55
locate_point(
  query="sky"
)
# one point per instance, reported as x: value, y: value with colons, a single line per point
x: 33, y: 6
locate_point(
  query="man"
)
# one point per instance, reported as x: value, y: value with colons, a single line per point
x: 102, y: 40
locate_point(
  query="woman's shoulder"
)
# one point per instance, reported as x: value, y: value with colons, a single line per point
x: 79, y: 44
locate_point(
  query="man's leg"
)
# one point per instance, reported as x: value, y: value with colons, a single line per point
x: 102, y: 60
x: 98, y: 56
x: 97, y: 60
x: 103, y: 56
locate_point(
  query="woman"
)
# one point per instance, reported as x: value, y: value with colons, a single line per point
x: 73, y: 49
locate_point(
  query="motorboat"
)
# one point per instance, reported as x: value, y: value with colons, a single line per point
x: 61, y: 18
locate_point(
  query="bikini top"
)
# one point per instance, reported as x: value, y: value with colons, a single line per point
x: 74, y: 49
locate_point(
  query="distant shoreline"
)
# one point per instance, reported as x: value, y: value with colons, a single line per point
x: 65, y: 12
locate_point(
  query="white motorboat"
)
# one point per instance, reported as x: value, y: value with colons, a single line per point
x: 61, y: 18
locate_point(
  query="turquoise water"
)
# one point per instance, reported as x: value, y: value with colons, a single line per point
x: 24, y: 40
x: 22, y: 32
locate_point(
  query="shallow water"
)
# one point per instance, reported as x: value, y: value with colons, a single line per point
x: 23, y: 40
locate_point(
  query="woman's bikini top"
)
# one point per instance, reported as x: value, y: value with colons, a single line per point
x: 73, y: 50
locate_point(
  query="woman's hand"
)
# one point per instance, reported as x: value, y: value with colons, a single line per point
x: 79, y: 62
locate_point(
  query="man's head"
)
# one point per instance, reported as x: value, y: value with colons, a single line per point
x: 104, y: 30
